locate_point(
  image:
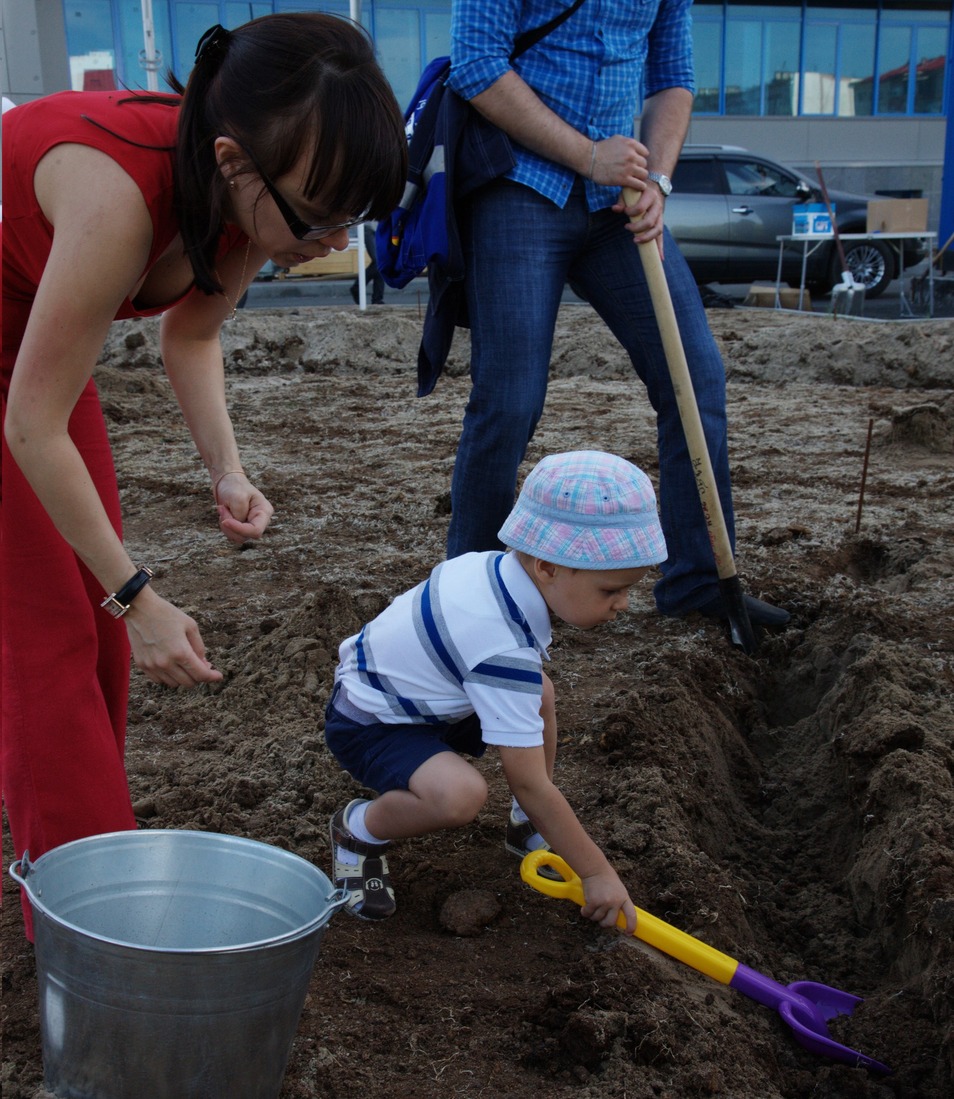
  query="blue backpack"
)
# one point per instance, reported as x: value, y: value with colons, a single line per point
x: 414, y: 233
x: 452, y: 150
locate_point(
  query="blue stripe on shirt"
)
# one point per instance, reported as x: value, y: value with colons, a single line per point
x: 521, y: 676
x: 513, y: 610
x: 403, y: 705
x: 434, y: 634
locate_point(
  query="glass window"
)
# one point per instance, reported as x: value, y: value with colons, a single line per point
x: 397, y: 35
x: 238, y: 12
x: 336, y: 7
x: 931, y: 61
x: 819, y: 67
x: 407, y: 36
x: 752, y: 177
x: 191, y: 21
x: 707, y: 57
x: 696, y: 177
x: 89, y: 40
x: 761, y: 60
x: 856, y: 49
x: 132, y: 62
x: 780, y: 67
x: 436, y: 34
x: 894, y: 51
x: 743, y: 52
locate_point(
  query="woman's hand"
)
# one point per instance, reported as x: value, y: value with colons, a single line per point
x: 244, y: 512
x: 606, y: 897
x: 166, y: 644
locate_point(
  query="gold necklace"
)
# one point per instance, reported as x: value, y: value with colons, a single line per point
x: 234, y: 304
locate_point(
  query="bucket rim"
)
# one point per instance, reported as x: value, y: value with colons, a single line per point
x: 332, y: 902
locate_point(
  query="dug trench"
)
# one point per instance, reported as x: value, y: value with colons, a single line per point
x: 794, y: 809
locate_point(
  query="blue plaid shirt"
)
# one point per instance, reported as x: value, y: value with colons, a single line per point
x: 592, y: 70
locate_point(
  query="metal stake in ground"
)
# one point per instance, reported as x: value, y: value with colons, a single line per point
x: 864, y: 477
x: 730, y: 587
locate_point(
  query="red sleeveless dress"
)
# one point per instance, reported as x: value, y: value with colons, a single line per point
x: 65, y: 661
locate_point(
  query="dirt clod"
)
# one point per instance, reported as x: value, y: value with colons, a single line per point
x: 468, y: 911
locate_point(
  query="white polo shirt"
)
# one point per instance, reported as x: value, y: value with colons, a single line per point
x: 469, y: 639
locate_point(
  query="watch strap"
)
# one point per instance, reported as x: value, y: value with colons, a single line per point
x: 120, y: 601
x: 662, y: 181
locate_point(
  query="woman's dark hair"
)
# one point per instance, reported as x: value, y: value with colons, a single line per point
x: 279, y: 85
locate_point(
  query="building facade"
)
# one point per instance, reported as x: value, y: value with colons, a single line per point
x: 863, y: 87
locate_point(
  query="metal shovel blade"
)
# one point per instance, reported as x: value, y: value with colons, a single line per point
x: 741, y: 632
x: 806, y: 1006
x: 848, y: 297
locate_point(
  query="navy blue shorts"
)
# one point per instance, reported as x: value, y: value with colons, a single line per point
x: 383, y: 757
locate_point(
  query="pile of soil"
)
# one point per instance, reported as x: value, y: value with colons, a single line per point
x: 794, y: 809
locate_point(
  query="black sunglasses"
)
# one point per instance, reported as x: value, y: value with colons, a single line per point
x: 301, y: 230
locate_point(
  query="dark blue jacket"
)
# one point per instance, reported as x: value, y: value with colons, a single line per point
x: 475, y: 152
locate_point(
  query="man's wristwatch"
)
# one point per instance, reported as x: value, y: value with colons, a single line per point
x: 664, y: 183
x: 120, y: 601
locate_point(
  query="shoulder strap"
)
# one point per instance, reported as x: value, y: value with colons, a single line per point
x: 532, y: 37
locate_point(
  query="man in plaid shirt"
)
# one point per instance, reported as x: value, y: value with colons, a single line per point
x: 568, y: 104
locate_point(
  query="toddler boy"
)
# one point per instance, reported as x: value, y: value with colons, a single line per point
x: 456, y: 664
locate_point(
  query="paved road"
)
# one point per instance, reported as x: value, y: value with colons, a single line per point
x: 297, y: 293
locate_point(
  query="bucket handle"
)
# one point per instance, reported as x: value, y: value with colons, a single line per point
x: 337, y: 899
x: 26, y: 866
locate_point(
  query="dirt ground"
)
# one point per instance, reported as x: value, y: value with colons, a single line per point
x: 794, y: 809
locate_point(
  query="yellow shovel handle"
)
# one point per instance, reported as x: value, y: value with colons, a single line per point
x: 663, y: 936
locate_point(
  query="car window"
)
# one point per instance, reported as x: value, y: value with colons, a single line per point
x: 752, y: 177
x: 696, y: 177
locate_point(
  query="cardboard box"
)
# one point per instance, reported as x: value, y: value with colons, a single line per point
x: 812, y: 220
x: 898, y: 215
x: 763, y: 297
x: 335, y: 265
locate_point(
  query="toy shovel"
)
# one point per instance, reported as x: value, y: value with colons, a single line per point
x: 804, y: 1005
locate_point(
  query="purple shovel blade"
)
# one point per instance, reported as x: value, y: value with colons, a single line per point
x: 806, y: 1006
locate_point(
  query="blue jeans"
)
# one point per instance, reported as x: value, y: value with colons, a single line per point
x: 520, y: 250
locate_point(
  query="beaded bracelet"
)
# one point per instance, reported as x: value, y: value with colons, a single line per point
x: 215, y: 483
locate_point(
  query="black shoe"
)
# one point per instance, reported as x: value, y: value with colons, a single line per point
x: 518, y: 832
x: 368, y: 883
x: 760, y: 612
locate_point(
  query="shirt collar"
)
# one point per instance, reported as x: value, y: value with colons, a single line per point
x: 528, y: 598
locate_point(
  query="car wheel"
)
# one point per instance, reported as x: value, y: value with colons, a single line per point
x: 870, y: 263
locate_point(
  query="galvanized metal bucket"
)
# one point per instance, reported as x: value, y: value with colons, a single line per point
x: 172, y: 964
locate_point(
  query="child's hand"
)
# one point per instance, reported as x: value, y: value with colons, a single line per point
x: 606, y: 897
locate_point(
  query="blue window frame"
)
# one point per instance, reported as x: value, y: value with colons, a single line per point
x: 831, y: 58
x: 821, y: 57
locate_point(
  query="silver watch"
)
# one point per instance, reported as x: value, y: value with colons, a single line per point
x: 663, y: 182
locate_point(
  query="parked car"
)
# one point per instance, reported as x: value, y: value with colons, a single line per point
x: 729, y: 205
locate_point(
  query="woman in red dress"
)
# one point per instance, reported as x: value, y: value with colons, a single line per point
x: 119, y: 205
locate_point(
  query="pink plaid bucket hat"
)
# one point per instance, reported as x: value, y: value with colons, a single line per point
x: 587, y: 510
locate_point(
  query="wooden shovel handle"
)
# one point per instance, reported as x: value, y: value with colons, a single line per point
x: 686, y: 403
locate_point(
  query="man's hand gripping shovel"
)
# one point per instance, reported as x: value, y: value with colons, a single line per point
x: 804, y: 1005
